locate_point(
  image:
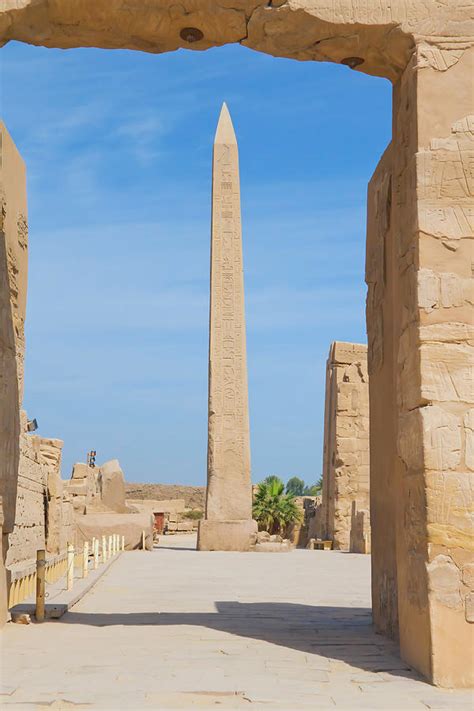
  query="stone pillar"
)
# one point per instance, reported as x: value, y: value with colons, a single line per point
x: 112, y: 486
x: 382, y: 329
x: 50, y: 451
x: 13, y: 280
x: 345, y: 501
x: 228, y: 523
x: 421, y: 356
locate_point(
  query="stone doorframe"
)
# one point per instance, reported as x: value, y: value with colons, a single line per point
x: 419, y: 306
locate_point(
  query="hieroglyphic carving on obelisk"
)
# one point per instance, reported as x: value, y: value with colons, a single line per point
x: 228, y: 521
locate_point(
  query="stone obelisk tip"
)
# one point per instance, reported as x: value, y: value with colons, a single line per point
x: 225, y: 130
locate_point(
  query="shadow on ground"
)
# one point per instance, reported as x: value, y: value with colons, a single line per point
x: 339, y: 633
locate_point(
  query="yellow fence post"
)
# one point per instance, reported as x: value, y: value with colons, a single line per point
x: 123, y: 543
x: 70, y: 566
x: 96, y: 553
x: 85, y: 560
x: 110, y: 547
x: 104, y: 549
x: 40, y: 579
x: 143, y: 540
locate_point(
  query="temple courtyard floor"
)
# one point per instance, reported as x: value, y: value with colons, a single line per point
x: 180, y: 629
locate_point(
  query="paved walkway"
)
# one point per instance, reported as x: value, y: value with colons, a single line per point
x: 177, y: 629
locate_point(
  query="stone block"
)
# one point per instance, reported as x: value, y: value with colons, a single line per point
x: 226, y: 535
x: 80, y: 471
x: 130, y: 525
x: 77, y: 487
x: 113, y: 486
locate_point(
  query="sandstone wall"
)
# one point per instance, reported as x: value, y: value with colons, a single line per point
x: 153, y: 505
x: 59, y: 511
x: 43, y: 513
x: 429, y: 292
x: 83, y: 487
x: 13, y: 283
x: 194, y: 496
x: 95, y: 489
x: 130, y: 525
x: 346, y: 448
x: 29, y: 532
x: 382, y: 358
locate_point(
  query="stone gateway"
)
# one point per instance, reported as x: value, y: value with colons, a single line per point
x: 228, y: 521
x: 419, y: 244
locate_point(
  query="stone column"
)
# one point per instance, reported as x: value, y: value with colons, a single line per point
x: 421, y: 357
x: 13, y: 280
x: 345, y: 499
x: 228, y: 523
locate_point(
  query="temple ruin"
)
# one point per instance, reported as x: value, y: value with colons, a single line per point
x: 344, y: 515
x: 419, y: 308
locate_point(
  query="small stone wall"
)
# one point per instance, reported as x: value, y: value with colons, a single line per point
x: 28, y: 534
x: 95, y: 489
x: 157, y: 505
x: 43, y: 517
x: 344, y: 515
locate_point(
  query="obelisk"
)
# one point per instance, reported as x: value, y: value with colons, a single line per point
x: 228, y: 523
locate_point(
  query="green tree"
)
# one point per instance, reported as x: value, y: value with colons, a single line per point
x: 315, y: 489
x: 274, y: 510
x: 295, y: 486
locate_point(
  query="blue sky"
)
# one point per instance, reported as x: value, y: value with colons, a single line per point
x: 118, y: 148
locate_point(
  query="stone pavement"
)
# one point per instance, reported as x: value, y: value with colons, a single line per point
x: 181, y: 629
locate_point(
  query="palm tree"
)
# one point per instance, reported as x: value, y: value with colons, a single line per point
x: 316, y: 489
x: 274, y: 510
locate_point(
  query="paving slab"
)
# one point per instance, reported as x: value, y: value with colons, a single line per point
x: 180, y: 629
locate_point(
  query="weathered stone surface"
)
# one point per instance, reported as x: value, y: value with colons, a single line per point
x: 422, y: 495
x: 346, y: 451
x: 229, y: 487
x: 378, y: 35
x: 96, y: 525
x: 84, y: 488
x: 42, y: 517
x: 227, y: 535
x: 194, y: 496
x: 13, y: 284
x: 49, y: 455
x: 28, y: 534
x: 112, y: 484
x: 157, y: 505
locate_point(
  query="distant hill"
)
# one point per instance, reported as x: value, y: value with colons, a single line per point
x: 193, y: 496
